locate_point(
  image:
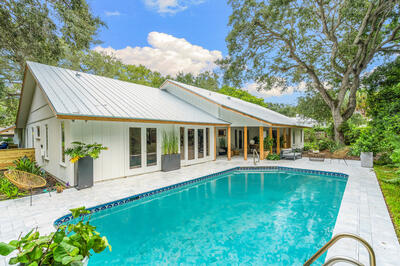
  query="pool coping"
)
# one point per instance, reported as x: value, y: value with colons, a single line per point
x: 68, y: 217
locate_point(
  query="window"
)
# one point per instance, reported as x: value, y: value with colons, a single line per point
x: 46, y: 151
x: 62, y: 142
x: 151, y: 146
x: 33, y: 137
x: 200, y: 143
x: 182, y: 142
x: 207, y: 142
x: 135, y: 147
x: 236, y: 139
x: 38, y: 132
x: 190, y: 144
x: 294, y: 136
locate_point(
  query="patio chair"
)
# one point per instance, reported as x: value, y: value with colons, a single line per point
x: 25, y: 181
x: 340, y: 155
x: 3, y: 145
x: 290, y: 154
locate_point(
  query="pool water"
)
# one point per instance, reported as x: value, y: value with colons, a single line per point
x: 240, y: 217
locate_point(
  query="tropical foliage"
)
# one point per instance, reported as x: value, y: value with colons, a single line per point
x: 325, y: 46
x: 27, y: 165
x: 8, y: 189
x: 80, y: 150
x: 69, y: 245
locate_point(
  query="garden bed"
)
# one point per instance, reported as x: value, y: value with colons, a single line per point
x: 391, y: 193
x: 50, y: 186
x: 329, y: 154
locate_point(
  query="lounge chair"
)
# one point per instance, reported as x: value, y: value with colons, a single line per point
x: 290, y: 154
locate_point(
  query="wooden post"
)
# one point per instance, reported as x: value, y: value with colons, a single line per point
x: 261, y: 135
x: 215, y: 143
x: 284, y: 138
x: 270, y: 137
x: 245, y: 142
x: 229, y: 143
x: 289, y: 137
x: 278, y: 141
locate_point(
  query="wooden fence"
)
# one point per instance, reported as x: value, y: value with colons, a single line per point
x: 8, y: 156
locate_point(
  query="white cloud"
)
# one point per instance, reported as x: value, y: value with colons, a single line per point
x: 112, y: 13
x: 171, y: 6
x: 167, y: 54
x: 274, y: 91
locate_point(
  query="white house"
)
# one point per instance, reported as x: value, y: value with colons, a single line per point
x: 59, y: 106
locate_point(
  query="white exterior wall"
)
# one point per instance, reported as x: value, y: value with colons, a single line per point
x: 114, y: 162
x: 40, y: 116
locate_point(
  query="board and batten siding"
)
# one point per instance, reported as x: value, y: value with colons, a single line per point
x: 114, y: 162
x: 49, y: 157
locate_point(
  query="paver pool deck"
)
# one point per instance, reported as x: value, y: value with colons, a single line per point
x: 363, y: 210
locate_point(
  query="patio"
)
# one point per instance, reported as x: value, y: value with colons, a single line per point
x: 363, y: 210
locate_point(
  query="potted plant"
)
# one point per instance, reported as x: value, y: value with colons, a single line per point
x: 268, y: 142
x: 59, y: 188
x: 222, y: 146
x: 171, y: 158
x: 82, y: 156
x: 71, y: 244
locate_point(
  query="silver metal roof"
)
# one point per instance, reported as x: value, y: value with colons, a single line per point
x: 81, y: 94
x: 248, y: 108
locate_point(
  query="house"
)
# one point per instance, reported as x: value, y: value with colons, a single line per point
x: 59, y: 106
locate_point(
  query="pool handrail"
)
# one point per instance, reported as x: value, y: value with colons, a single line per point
x: 254, y: 157
x: 334, y: 260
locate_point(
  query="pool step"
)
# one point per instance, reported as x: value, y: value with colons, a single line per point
x: 334, y: 260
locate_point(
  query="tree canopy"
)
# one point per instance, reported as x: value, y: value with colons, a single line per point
x: 326, y: 44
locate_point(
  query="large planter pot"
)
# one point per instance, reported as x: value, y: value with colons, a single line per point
x: 367, y: 159
x: 83, y: 172
x: 170, y: 162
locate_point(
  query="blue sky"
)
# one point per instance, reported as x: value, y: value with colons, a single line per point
x: 170, y: 35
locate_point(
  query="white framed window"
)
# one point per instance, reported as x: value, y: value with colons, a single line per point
x: 135, y: 147
x: 46, y: 151
x: 62, y: 129
x: 38, y: 132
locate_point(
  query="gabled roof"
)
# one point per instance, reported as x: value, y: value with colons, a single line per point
x: 77, y: 95
x: 243, y: 107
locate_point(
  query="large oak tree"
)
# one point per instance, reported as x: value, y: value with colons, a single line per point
x: 328, y: 44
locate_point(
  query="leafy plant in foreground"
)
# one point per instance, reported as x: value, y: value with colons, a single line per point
x: 8, y: 189
x: 273, y: 157
x: 69, y: 245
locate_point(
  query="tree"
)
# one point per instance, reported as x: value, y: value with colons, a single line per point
x: 313, y: 106
x: 326, y: 43
x: 243, y: 95
x: 39, y: 31
x: 285, y: 109
x: 206, y: 80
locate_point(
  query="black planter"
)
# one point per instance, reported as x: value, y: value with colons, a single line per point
x: 170, y: 162
x: 83, y: 171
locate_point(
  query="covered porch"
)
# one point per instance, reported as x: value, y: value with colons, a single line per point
x: 240, y: 141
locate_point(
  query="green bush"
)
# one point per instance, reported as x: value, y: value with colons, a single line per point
x: 367, y: 142
x: 27, y: 165
x: 8, y: 189
x: 327, y: 144
x: 273, y: 157
x: 69, y: 245
x: 308, y: 146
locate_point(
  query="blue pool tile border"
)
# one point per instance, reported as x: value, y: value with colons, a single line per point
x: 67, y: 218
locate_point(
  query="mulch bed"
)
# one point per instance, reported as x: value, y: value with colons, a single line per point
x: 328, y: 155
x: 50, y: 186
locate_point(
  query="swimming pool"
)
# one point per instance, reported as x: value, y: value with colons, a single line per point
x: 274, y: 216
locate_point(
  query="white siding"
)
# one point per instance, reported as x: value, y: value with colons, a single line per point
x: 298, y: 137
x: 41, y: 115
x: 114, y: 162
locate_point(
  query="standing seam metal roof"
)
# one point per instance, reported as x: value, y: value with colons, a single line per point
x: 81, y: 94
x: 237, y: 104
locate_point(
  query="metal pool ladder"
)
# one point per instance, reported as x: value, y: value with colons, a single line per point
x: 254, y: 157
x: 334, y: 260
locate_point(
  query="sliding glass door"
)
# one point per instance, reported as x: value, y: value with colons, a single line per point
x: 190, y: 144
x: 182, y: 142
x: 151, y: 146
x: 200, y: 143
x: 135, y: 147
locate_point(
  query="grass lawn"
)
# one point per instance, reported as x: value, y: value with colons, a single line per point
x: 391, y: 193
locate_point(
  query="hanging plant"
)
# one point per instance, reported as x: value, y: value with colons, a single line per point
x: 80, y: 150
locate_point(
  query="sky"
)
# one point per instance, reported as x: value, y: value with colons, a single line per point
x: 171, y: 36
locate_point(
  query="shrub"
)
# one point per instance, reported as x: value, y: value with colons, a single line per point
x: 308, y: 146
x: 367, y: 142
x: 327, y: 144
x: 273, y: 157
x: 8, y: 189
x: 27, y: 165
x: 69, y: 245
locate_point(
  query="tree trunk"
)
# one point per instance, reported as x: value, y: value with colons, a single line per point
x: 337, y: 123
